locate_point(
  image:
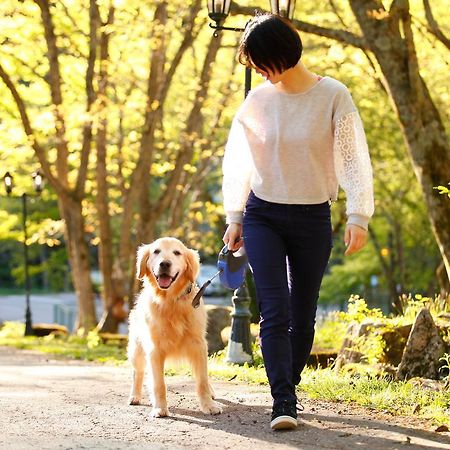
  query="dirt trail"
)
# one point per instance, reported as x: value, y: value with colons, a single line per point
x: 47, y: 403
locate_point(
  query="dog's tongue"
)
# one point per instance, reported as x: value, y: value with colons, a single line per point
x: 164, y: 281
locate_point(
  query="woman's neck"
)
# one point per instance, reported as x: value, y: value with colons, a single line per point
x: 296, y: 79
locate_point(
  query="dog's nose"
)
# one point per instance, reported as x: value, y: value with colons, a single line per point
x: 165, y: 265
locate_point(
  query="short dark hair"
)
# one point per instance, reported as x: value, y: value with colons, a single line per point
x: 270, y: 42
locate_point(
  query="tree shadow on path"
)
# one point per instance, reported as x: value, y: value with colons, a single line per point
x: 323, y: 429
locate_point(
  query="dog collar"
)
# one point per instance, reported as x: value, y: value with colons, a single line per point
x: 187, y: 291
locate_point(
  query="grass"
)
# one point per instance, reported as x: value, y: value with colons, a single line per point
x: 74, y: 347
x: 383, y: 394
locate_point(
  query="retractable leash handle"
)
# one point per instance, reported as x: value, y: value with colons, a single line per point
x: 232, y: 268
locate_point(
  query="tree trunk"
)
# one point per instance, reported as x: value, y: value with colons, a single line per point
x: 113, y: 311
x: 78, y: 251
x: 389, y: 37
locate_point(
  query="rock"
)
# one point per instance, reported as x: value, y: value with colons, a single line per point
x: 423, y: 349
x: 114, y: 338
x: 218, y: 318
x: 254, y: 333
x: 395, y: 341
x: 321, y: 358
x: 349, y: 352
x: 44, y: 329
x: 426, y: 384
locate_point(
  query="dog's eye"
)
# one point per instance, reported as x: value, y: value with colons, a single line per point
x: 156, y: 251
x: 176, y: 252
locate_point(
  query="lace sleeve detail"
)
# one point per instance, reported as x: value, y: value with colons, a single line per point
x: 353, y: 168
x: 237, y: 170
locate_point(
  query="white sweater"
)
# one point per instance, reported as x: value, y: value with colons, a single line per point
x: 296, y: 149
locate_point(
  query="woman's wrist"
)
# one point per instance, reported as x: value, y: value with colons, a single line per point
x: 234, y: 217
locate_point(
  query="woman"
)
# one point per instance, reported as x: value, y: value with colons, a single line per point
x: 293, y: 140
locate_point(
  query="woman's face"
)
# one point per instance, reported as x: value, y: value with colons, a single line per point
x: 272, y: 76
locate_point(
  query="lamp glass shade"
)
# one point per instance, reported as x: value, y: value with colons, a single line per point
x: 218, y: 10
x: 8, y: 180
x: 38, y: 181
x: 284, y: 8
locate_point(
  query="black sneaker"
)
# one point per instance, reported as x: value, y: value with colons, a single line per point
x: 284, y: 416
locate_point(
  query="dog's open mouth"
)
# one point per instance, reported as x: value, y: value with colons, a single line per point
x: 165, y: 281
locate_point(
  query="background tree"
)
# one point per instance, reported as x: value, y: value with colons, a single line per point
x: 137, y: 135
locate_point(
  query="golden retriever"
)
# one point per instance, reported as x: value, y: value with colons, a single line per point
x: 164, y: 324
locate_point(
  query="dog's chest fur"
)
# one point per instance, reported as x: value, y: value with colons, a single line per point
x: 171, y: 324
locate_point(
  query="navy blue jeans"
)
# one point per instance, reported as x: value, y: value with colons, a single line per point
x: 288, y: 248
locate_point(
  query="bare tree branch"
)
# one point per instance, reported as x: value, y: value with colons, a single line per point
x: 94, y: 24
x: 433, y: 25
x: 55, y: 91
x: 72, y: 20
x: 40, y: 152
x: 33, y: 70
x: 193, y: 127
x: 413, y: 63
x: 154, y: 100
x: 340, y: 35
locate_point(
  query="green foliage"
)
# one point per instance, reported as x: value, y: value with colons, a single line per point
x: 400, y: 224
x: 411, y: 305
x: 358, y: 311
x: 445, y: 366
x: 12, y: 330
x: 330, y: 332
x: 57, y: 265
x: 443, y: 190
x: 397, y: 397
x: 75, y: 346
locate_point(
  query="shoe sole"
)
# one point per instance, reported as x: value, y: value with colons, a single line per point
x: 283, y: 423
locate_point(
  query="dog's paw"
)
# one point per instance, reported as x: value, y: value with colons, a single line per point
x: 134, y: 400
x: 211, y: 390
x: 211, y: 407
x: 159, y: 412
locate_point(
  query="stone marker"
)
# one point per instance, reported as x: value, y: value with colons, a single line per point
x: 423, y: 349
x: 218, y: 318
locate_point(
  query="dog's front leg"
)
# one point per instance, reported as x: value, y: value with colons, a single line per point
x: 137, y: 359
x: 158, y: 385
x: 199, y: 360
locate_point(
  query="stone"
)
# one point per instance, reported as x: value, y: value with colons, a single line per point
x: 321, y: 358
x: 254, y: 333
x: 395, y: 341
x: 423, y: 349
x: 120, y: 340
x: 349, y: 352
x: 44, y: 329
x: 218, y: 318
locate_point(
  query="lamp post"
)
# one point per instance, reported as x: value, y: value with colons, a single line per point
x: 38, y: 185
x: 239, y: 346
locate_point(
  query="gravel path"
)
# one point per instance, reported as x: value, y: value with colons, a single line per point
x: 48, y: 403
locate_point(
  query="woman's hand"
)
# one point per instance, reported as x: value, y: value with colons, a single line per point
x: 355, y: 238
x: 232, y: 236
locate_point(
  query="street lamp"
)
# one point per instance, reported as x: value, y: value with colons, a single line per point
x: 239, y: 345
x: 8, y: 180
x: 38, y: 183
x: 218, y: 11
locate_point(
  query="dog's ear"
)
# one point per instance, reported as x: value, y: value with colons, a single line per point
x: 193, y: 265
x: 143, y: 254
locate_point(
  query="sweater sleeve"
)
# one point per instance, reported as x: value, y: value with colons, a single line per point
x: 353, y: 168
x: 237, y: 168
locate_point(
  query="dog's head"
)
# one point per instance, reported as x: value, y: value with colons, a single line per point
x: 167, y: 264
